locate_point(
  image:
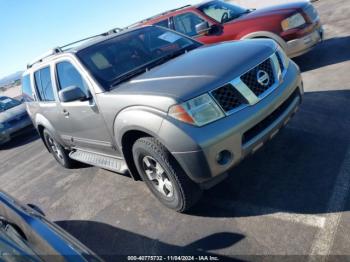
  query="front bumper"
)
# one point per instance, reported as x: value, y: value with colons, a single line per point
x: 240, y: 134
x: 300, y: 46
x: 15, y: 130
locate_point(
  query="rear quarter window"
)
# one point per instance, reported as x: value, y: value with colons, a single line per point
x: 27, y: 91
x: 163, y: 23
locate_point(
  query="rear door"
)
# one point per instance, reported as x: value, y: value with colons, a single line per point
x: 45, y: 96
x: 80, y: 123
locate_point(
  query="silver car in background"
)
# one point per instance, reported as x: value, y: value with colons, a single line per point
x: 14, y: 119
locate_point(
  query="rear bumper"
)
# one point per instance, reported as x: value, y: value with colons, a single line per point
x: 240, y: 134
x: 300, y: 46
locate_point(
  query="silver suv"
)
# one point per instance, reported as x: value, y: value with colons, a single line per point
x: 160, y: 106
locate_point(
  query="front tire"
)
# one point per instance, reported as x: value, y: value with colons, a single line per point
x: 60, y: 154
x: 163, y: 175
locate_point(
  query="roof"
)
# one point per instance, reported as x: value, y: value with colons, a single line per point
x: 159, y: 15
x: 79, y: 45
x: 155, y: 17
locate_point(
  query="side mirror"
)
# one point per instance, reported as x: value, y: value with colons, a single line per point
x: 202, y: 28
x: 72, y: 93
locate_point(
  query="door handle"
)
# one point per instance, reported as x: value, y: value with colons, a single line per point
x: 65, y: 113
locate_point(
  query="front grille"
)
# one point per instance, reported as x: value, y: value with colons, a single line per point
x: 228, y: 97
x: 311, y: 12
x: 257, y: 129
x: 251, y: 78
x: 280, y: 61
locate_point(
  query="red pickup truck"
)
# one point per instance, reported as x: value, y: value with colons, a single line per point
x: 296, y: 27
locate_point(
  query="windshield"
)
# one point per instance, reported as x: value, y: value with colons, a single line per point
x: 124, y: 56
x: 14, y: 245
x: 7, y: 103
x: 221, y: 11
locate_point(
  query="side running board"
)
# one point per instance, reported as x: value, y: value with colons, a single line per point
x: 102, y: 161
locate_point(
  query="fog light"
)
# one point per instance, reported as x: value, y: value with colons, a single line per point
x: 224, y: 157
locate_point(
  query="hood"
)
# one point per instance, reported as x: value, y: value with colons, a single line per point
x: 288, y: 8
x: 12, y: 113
x: 200, y: 70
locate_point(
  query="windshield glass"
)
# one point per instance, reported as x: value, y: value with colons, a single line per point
x: 131, y: 53
x: 221, y: 11
x: 13, y: 245
x: 7, y: 103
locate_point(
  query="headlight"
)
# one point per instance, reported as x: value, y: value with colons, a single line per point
x: 293, y: 21
x: 285, y: 59
x: 199, y: 111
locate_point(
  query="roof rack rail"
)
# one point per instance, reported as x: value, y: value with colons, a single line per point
x: 61, y: 49
x: 112, y: 31
x: 158, y: 15
x: 65, y: 47
x: 49, y: 53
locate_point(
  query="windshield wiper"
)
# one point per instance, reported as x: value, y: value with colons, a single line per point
x: 248, y: 11
x: 128, y: 75
x: 146, y: 67
x: 239, y: 15
x: 167, y: 57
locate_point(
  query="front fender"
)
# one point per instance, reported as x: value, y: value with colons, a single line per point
x: 138, y: 118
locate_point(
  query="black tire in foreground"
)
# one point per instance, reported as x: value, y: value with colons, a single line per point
x: 163, y: 175
x: 59, y: 153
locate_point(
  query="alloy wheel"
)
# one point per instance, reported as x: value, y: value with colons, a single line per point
x: 157, y: 175
x: 55, y: 148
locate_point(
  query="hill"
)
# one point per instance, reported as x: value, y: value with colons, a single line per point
x: 10, y: 78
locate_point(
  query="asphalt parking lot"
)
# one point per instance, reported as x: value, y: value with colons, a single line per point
x: 290, y: 198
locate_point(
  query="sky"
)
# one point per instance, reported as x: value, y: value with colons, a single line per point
x: 29, y: 28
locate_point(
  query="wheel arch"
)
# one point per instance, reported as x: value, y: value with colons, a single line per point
x: 42, y: 123
x: 132, y: 124
x: 266, y: 34
x: 40, y: 128
x: 128, y: 140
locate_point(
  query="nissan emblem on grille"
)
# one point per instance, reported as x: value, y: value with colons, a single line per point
x: 263, y: 78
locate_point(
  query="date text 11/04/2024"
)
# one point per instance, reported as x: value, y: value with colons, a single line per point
x: 173, y: 258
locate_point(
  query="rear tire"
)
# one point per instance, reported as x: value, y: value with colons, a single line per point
x: 163, y: 175
x: 60, y: 154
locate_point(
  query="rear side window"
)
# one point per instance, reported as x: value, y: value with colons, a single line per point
x: 27, y: 91
x: 186, y: 23
x: 68, y: 75
x: 44, y: 85
x: 163, y: 23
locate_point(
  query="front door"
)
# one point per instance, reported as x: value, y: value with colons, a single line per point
x: 81, y: 125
